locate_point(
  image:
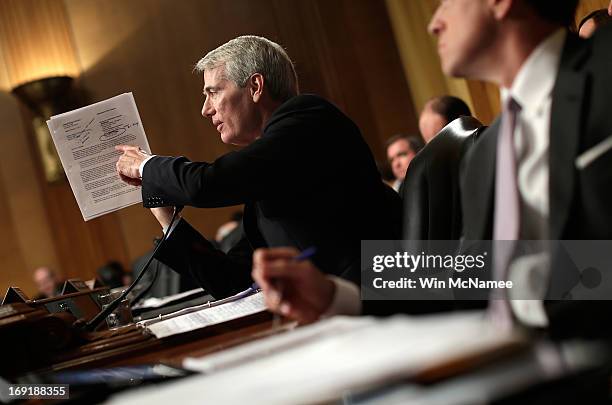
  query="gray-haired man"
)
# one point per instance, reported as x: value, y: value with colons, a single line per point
x: 292, y: 144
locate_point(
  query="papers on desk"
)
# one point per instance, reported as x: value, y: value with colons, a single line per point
x: 85, y: 140
x: 155, y: 302
x: 212, y: 313
x: 275, y: 344
x: 321, y: 362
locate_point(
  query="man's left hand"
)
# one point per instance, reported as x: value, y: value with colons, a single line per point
x: 129, y: 163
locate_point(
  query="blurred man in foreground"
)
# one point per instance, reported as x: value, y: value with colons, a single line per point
x: 538, y: 172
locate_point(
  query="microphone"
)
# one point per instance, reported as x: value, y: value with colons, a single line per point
x: 93, y: 323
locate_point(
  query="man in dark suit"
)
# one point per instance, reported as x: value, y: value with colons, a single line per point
x: 542, y: 171
x: 431, y: 211
x: 400, y: 150
x: 291, y: 144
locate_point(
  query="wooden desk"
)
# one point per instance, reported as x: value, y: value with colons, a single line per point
x: 132, y: 347
x: 39, y: 336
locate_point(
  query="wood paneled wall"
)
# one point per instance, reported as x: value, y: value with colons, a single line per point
x: 343, y: 50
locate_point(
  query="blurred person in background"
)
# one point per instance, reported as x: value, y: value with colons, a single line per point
x: 47, y: 283
x: 401, y: 149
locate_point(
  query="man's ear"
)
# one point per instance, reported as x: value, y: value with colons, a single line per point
x: 256, y: 86
x: 501, y: 8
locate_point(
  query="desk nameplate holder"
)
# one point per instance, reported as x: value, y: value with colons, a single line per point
x: 73, y: 285
x: 34, y: 340
x: 34, y: 334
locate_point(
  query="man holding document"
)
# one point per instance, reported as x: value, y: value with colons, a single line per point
x: 283, y: 174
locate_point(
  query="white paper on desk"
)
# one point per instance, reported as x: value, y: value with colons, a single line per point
x: 85, y: 140
x: 196, y: 308
x: 323, y: 369
x: 155, y: 302
x: 274, y: 344
x: 209, y: 316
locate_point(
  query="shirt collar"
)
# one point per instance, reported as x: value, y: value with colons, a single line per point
x: 536, y: 78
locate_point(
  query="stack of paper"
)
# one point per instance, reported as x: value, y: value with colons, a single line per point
x: 85, y: 140
x: 155, y: 302
x: 313, y: 366
x: 188, y: 319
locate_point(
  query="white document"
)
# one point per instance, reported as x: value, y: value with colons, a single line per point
x: 197, y: 308
x: 275, y: 344
x: 209, y: 316
x: 154, y: 302
x: 85, y: 140
x: 326, y: 360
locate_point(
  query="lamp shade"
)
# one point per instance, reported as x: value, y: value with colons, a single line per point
x: 36, y: 41
x: 48, y: 96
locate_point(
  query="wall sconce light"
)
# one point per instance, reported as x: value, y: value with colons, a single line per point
x: 46, y: 97
x: 41, y: 62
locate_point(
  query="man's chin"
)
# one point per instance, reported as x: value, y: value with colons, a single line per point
x: 226, y: 138
x: 231, y: 140
x: 450, y: 68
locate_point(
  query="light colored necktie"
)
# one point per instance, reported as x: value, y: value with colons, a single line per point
x: 507, y: 210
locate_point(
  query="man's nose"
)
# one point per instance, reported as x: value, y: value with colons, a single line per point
x: 435, y: 25
x: 207, y: 109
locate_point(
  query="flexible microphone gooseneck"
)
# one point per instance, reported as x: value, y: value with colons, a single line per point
x: 144, y: 291
x: 93, y: 323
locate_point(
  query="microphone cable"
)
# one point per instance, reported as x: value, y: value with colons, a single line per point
x: 93, y: 323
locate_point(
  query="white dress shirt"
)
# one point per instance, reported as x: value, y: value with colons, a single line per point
x: 532, y: 89
x: 142, y: 165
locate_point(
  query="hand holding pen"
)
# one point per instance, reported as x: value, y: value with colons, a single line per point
x: 292, y: 285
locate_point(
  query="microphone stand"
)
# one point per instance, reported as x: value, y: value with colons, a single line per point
x: 93, y: 323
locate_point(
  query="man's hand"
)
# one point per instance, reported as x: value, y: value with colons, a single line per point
x: 610, y: 8
x: 129, y: 163
x: 296, y: 289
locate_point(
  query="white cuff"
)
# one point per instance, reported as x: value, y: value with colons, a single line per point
x: 346, y: 301
x: 142, y: 165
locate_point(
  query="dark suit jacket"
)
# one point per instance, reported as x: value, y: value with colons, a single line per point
x: 580, y: 200
x: 432, y: 207
x: 310, y: 180
x: 431, y: 198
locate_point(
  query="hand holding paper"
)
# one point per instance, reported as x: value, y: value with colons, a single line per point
x: 129, y: 163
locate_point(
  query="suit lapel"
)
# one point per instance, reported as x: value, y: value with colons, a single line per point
x: 565, y: 130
